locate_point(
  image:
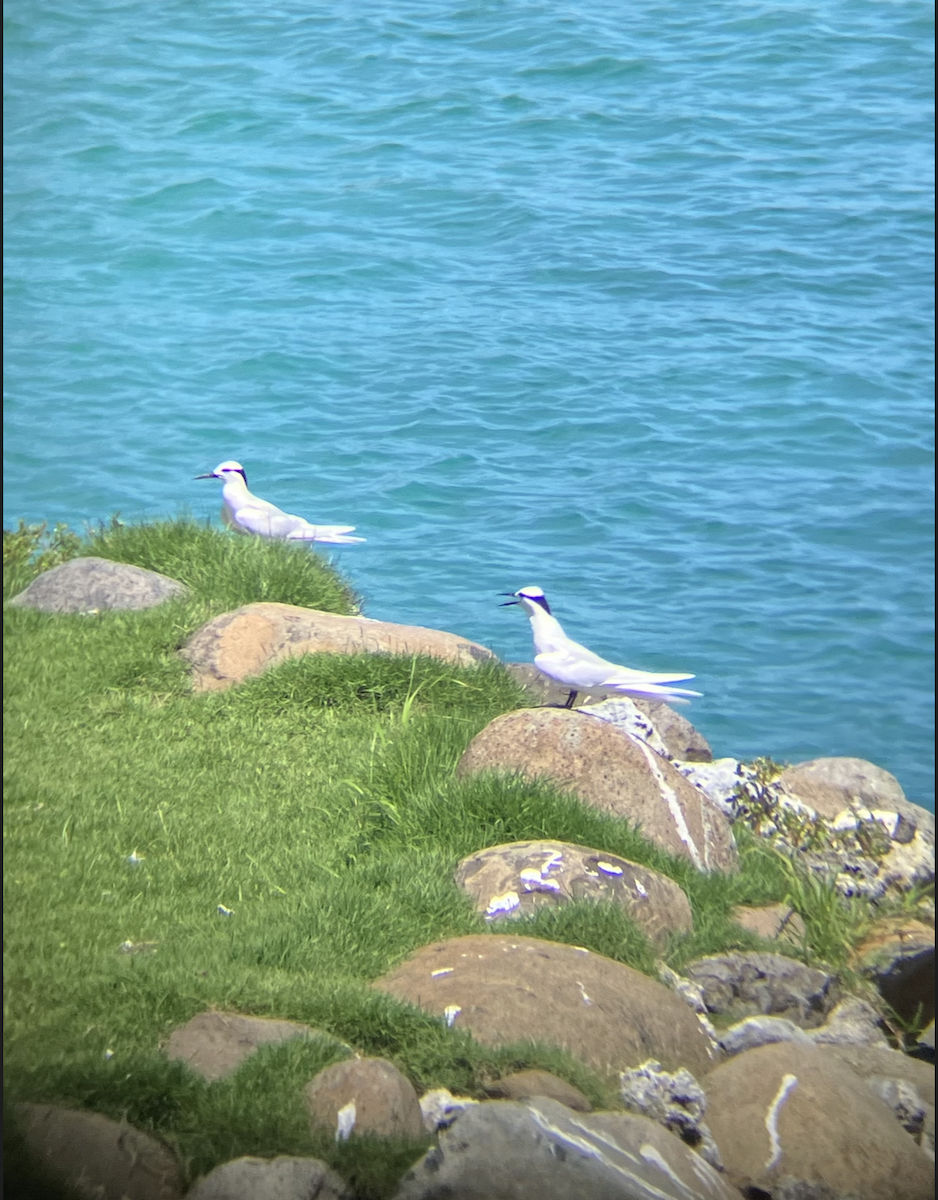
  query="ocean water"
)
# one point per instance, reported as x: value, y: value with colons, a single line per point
x: 629, y: 301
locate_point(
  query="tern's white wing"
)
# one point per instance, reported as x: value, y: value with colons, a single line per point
x: 267, y: 520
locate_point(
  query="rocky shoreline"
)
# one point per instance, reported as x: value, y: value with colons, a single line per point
x: 749, y: 1074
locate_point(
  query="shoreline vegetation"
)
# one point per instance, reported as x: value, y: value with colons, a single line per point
x: 274, y: 848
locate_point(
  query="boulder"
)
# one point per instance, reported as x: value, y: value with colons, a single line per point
x: 214, y: 1044
x: 680, y: 739
x: 772, y: 922
x: 852, y: 1023
x: 363, y: 1096
x: 898, y: 956
x: 516, y: 879
x: 248, y: 641
x: 540, y: 1150
x: 524, y: 1085
x: 440, y: 1108
x: 832, y: 786
x: 610, y: 771
x: 100, y: 1158
x: 792, y: 1120
x: 282, y: 1178
x: 504, y: 990
x: 89, y: 585
x: 675, y: 1100
x: 753, y: 982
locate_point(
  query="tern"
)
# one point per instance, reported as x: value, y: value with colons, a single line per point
x: 247, y: 513
x: 569, y: 663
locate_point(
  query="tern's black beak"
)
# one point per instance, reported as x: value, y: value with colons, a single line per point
x: 210, y: 475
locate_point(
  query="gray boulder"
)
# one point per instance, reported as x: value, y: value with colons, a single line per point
x: 752, y: 983
x: 100, y: 1158
x: 673, y: 1099
x: 540, y: 1150
x: 516, y: 879
x: 89, y: 585
x: 281, y: 1178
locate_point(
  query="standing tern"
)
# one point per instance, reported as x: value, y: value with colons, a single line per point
x: 247, y: 513
x: 580, y: 669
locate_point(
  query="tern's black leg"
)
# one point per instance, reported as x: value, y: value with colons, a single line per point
x: 571, y: 698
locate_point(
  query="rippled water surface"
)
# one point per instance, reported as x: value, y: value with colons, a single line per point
x: 629, y: 301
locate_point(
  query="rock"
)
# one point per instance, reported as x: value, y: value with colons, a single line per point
x: 925, y: 1042
x: 680, y: 739
x: 504, y: 990
x: 853, y: 1022
x: 540, y: 1150
x: 675, y: 1100
x: 610, y: 771
x: 363, y: 1095
x: 790, y: 1120
x: 248, y: 641
x: 832, y: 785
x: 100, y: 1158
x: 898, y: 956
x: 881, y: 1062
x: 752, y: 1032
x: 282, y: 1178
x: 516, y: 879
x: 214, y: 1044
x: 753, y: 982
x: 719, y: 781
x: 523, y: 1085
x: 773, y: 922
x: 440, y: 1108
x: 89, y: 585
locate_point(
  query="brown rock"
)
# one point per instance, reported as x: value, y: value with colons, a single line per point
x: 898, y: 955
x: 681, y: 739
x: 282, y: 1178
x: 871, y: 1062
x: 504, y: 990
x: 752, y: 982
x: 516, y: 879
x: 214, y: 1044
x: 363, y: 1095
x: 773, y: 922
x: 85, y: 585
x: 607, y: 770
x: 100, y: 1158
x: 789, y: 1116
x: 248, y: 641
x: 831, y: 785
x: 522, y: 1085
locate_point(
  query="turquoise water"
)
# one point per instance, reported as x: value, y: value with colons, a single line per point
x: 629, y: 301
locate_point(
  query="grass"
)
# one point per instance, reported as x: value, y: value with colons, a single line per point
x: 319, y: 804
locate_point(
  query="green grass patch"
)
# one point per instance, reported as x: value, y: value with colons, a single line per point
x: 318, y: 804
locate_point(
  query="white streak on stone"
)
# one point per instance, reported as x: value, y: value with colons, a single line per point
x: 610, y: 868
x: 450, y: 1013
x: 345, y: 1122
x: 555, y: 860
x: 586, y: 999
x: 442, y: 971
x: 788, y: 1084
x: 652, y: 1156
x: 503, y: 903
x: 670, y: 798
x: 640, y: 888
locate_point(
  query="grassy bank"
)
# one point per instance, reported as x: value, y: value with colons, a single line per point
x: 318, y: 804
